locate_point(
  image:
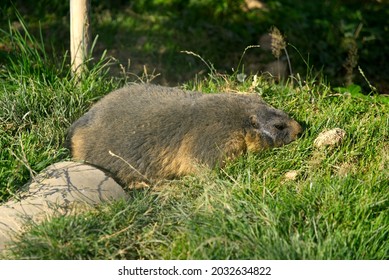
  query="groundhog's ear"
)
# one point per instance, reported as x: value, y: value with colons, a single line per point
x: 254, y: 121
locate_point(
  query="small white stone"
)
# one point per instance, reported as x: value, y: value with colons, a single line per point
x: 332, y: 137
x: 291, y: 175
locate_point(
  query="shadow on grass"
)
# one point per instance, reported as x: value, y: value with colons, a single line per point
x: 153, y: 34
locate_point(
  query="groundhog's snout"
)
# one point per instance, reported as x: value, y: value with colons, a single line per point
x: 294, y: 130
x: 281, y: 132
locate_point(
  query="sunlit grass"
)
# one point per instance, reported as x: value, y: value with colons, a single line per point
x: 337, y: 207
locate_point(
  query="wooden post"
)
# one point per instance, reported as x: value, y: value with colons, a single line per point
x: 79, y: 34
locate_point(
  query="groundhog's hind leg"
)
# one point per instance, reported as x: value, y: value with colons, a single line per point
x: 76, y: 143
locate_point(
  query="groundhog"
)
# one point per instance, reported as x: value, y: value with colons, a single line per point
x: 148, y: 133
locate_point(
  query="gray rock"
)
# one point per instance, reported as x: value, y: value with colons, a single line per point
x: 62, y: 188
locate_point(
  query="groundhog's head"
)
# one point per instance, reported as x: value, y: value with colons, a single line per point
x: 269, y: 127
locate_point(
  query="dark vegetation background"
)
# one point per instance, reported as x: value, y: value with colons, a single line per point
x: 328, y: 37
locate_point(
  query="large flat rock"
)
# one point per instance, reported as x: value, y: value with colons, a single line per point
x: 62, y: 188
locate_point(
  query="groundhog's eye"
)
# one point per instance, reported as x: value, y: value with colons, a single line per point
x: 280, y: 126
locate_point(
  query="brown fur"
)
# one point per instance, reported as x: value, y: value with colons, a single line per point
x: 159, y: 132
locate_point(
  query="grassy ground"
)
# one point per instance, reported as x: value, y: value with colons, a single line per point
x: 336, y: 208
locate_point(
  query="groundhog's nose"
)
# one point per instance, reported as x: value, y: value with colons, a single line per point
x: 296, y: 130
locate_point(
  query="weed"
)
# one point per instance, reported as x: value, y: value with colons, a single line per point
x: 278, y: 44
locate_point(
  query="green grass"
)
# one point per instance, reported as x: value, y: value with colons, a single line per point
x: 39, y: 98
x: 336, y: 208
